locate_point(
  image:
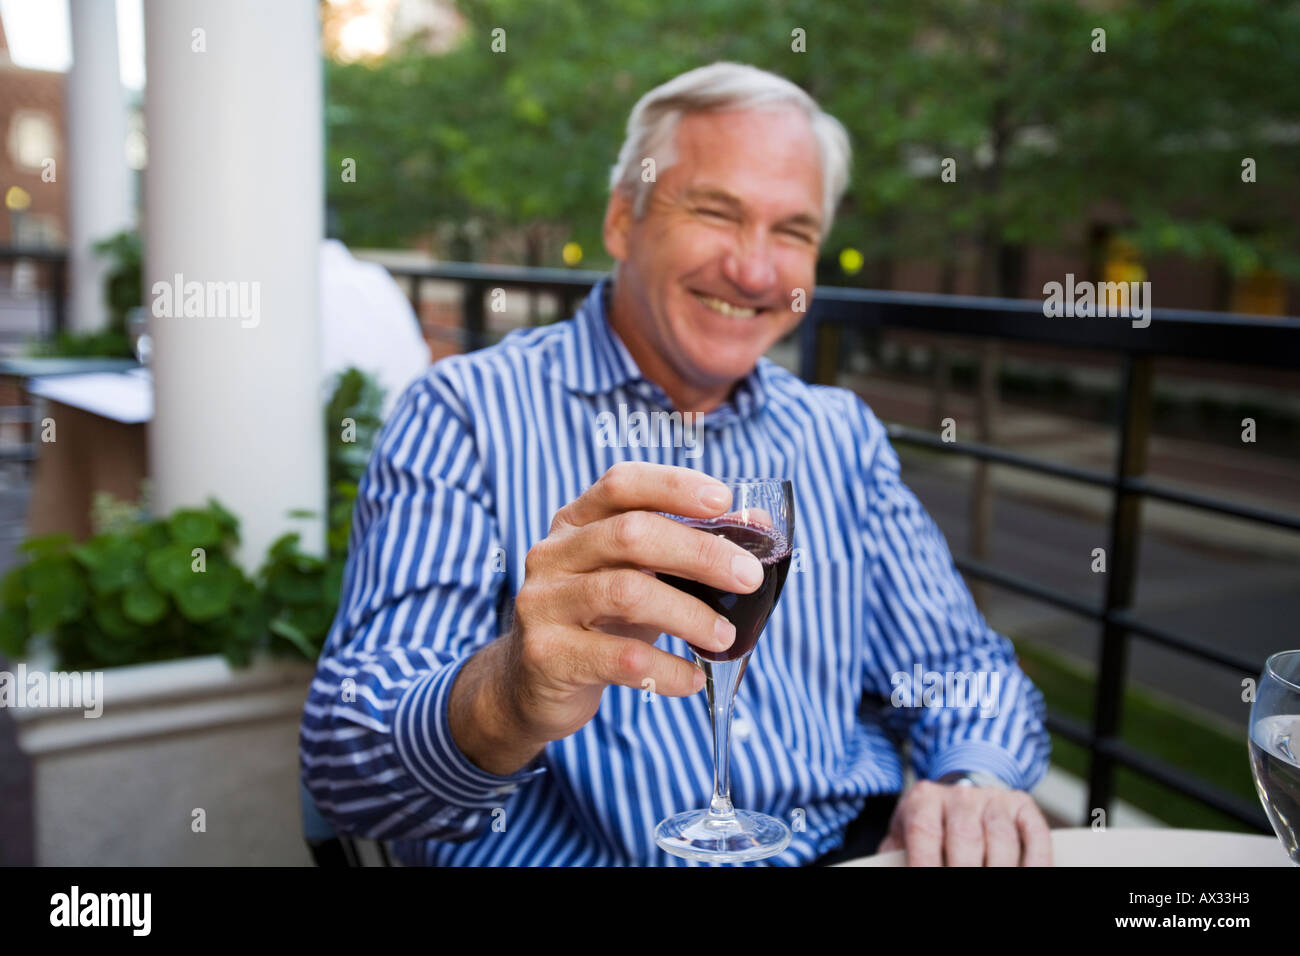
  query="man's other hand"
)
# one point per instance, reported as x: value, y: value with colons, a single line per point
x: 943, y: 825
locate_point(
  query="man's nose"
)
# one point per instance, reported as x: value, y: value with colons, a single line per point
x: 749, y: 265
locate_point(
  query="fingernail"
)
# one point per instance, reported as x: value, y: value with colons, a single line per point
x: 725, y: 632
x: 714, y: 496
x: 747, y: 570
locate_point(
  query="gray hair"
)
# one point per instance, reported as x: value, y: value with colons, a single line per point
x: 652, y: 126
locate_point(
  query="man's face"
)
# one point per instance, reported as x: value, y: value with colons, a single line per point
x: 738, y: 218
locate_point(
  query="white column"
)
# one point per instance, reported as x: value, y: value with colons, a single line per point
x: 99, y: 183
x: 234, y: 195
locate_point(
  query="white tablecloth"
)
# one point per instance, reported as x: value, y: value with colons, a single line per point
x: 123, y: 397
x: 1143, y: 847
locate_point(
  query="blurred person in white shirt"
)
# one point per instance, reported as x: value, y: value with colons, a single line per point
x: 367, y: 323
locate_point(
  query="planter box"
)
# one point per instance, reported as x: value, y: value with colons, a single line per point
x: 122, y: 788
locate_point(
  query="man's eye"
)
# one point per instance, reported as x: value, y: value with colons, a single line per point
x: 716, y: 213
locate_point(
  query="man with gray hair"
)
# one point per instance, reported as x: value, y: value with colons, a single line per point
x: 508, y: 681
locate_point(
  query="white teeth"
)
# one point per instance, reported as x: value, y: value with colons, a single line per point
x: 726, y: 308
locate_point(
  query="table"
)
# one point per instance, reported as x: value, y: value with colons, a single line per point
x: 125, y: 396
x: 101, y: 444
x: 25, y: 367
x: 1142, y: 847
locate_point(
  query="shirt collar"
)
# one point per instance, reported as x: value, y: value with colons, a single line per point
x: 597, y: 361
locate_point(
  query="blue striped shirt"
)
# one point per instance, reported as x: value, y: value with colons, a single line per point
x: 467, y: 474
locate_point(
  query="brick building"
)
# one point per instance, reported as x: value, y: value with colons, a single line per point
x: 32, y: 153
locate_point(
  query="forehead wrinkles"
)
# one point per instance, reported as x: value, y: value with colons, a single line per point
x: 705, y: 163
x: 747, y: 134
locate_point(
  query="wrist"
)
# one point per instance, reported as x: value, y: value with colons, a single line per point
x: 483, y: 716
x: 972, y: 778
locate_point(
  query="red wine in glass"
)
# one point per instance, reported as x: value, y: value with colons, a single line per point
x: 748, y: 612
x: 761, y: 521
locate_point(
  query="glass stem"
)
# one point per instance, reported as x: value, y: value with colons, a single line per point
x: 723, y: 679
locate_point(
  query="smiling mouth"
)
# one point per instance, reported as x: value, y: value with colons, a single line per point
x: 726, y: 308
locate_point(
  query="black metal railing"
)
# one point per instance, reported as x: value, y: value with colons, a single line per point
x: 477, y: 281
x: 50, y: 305
x: 1172, y: 333
x: 53, y: 264
x: 1239, y: 340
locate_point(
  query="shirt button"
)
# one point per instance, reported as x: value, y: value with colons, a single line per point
x: 740, y: 728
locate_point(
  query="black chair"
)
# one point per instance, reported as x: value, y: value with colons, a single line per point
x: 328, y: 847
x: 17, y: 816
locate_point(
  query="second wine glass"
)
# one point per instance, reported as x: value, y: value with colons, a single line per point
x: 1274, y: 744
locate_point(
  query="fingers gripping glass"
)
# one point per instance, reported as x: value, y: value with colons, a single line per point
x: 761, y: 521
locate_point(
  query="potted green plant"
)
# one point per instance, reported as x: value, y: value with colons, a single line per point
x: 204, y: 670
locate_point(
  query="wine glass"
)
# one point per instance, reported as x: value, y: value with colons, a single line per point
x: 137, y: 331
x: 1275, y: 747
x: 761, y: 521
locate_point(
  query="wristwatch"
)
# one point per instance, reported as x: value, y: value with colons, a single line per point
x: 972, y: 778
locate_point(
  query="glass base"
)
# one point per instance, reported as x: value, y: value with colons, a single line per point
x: 701, y: 835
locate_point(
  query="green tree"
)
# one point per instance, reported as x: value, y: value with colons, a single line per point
x: 1042, y: 127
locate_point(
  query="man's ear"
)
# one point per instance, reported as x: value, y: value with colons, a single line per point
x: 618, y: 223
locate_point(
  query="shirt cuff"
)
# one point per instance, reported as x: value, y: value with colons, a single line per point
x: 423, y: 741
x: 977, y: 755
